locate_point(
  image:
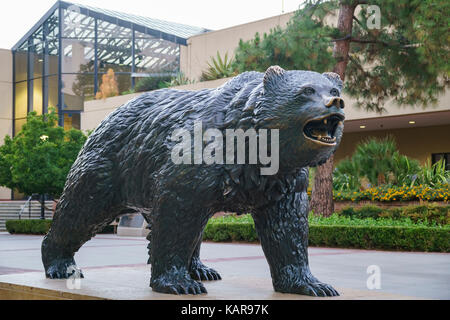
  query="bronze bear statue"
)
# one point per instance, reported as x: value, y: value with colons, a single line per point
x: 126, y: 166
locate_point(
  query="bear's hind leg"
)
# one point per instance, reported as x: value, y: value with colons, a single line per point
x: 199, y: 271
x: 73, y: 225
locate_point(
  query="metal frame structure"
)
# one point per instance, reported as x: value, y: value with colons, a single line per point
x: 141, y: 46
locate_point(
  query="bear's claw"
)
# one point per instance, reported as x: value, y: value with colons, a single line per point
x: 314, y: 289
x: 201, y: 272
x: 177, y: 281
x: 183, y: 287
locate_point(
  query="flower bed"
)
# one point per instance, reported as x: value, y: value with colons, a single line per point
x: 392, y: 194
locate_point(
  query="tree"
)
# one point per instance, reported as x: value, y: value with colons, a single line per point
x: 84, y: 83
x: 404, y: 59
x: 38, y: 159
x: 109, y: 87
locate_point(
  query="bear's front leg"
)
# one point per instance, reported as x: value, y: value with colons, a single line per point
x: 283, y: 230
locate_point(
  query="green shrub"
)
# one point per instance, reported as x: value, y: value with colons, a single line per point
x: 337, y: 220
x: 431, y: 213
x: 346, y: 232
x: 379, y: 161
x: 218, y: 68
x: 434, y: 175
x: 152, y: 83
x: 369, y: 211
x: 381, y: 237
x: 425, y: 214
x: 35, y: 227
x: 229, y: 231
x: 179, y: 80
x: 39, y: 227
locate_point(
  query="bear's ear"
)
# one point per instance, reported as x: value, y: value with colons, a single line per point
x: 335, y: 79
x: 273, y: 76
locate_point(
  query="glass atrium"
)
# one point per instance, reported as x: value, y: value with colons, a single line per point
x: 60, y: 62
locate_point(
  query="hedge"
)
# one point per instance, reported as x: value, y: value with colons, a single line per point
x: 408, y: 238
x: 38, y: 227
x: 430, y: 213
x: 229, y: 231
x: 430, y: 239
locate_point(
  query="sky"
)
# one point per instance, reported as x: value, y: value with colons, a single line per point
x: 18, y: 16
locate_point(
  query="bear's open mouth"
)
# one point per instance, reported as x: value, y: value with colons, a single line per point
x: 323, y: 130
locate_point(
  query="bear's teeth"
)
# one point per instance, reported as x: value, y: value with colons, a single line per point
x: 327, y: 139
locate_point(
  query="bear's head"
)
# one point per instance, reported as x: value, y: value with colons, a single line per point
x: 308, y: 110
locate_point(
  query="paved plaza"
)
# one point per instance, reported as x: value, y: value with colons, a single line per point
x: 422, y: 275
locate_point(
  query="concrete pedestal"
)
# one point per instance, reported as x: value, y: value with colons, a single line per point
x: 132, y: 283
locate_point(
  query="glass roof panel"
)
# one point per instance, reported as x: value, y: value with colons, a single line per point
x: 176, y: 29
x: 174, y: 32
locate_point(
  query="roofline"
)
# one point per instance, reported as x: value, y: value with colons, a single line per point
x: 243, y: 24
x: 36, y: 26
x: 104, y: 17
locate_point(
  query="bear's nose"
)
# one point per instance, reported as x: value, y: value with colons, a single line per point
x: 335, y: 102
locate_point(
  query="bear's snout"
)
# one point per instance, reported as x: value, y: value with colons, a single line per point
x: 335, y: 102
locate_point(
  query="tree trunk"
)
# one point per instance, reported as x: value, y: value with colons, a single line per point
x: 322, y: 196
x: 322, y: 199
x: 42, y: 207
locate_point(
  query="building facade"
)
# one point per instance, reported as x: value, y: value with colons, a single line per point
x: 6, y: 108
x: 61, y: 61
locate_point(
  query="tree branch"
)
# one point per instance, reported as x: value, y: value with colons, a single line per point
x: 358, y: 65
x: 369, y: 41
x: 359, y: 22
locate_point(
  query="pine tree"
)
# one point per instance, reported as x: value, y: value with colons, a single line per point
x: 404, y: 58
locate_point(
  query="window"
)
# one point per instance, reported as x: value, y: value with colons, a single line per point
x: 438, y: 156
x: 73, y: 50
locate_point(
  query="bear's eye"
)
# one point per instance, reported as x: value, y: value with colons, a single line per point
x: 308, y: 91
x: 335, y: 93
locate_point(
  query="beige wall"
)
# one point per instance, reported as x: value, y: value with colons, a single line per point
x: 97, y: 110
x: 352, y: 112
x: 419, y: 143
x: 5, y: 104
x: 195, y: 57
